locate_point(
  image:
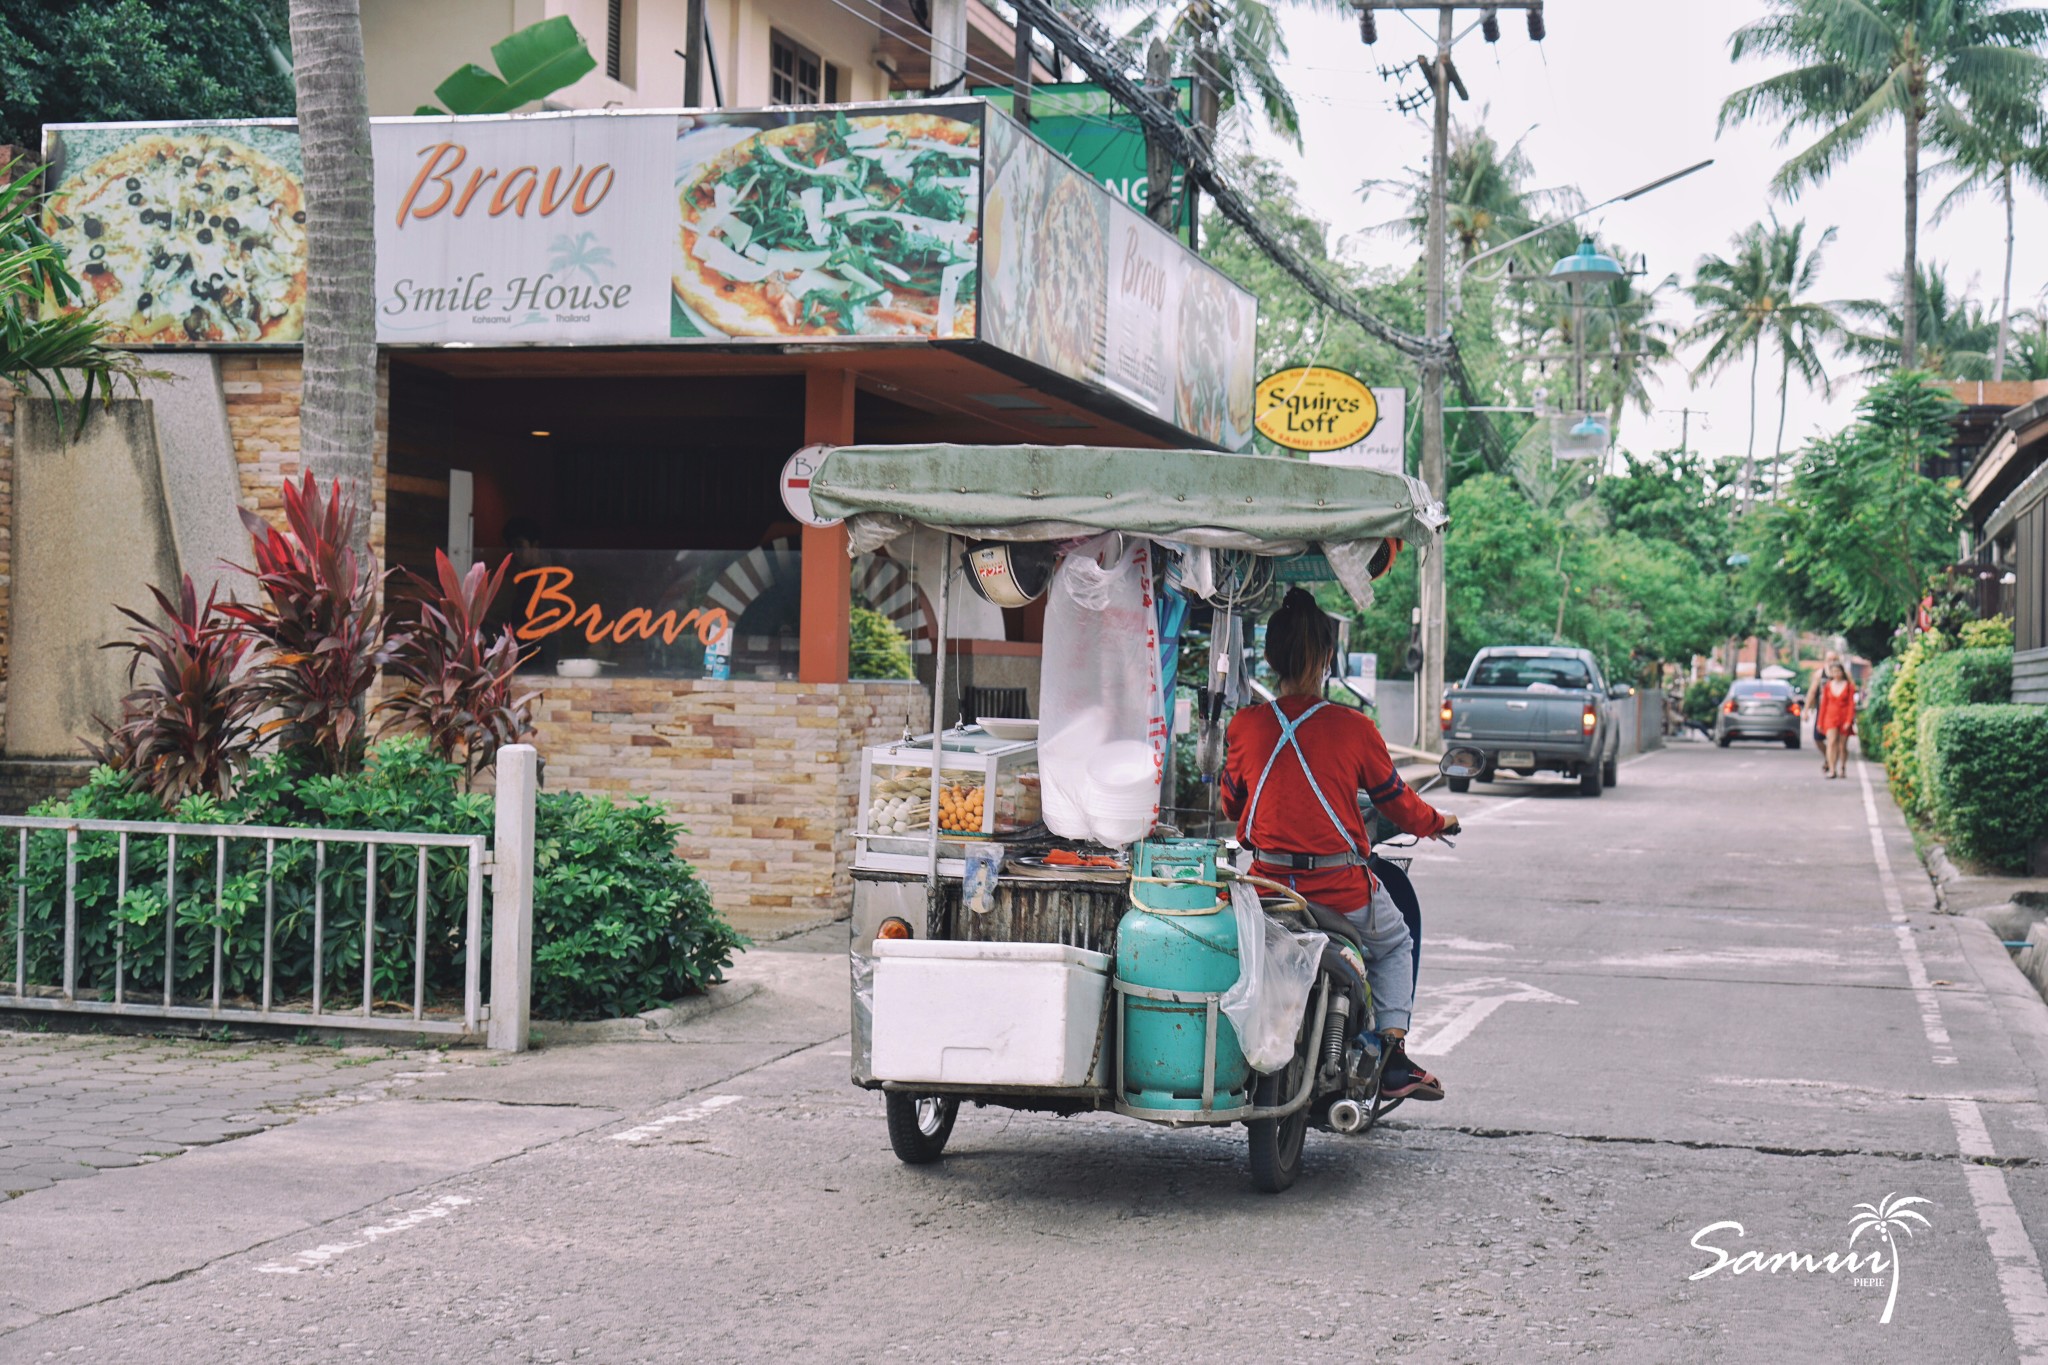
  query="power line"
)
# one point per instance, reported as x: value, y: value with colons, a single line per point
x: 1193, y: 152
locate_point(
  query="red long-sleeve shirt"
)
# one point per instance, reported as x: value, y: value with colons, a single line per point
x: 1349, y: 757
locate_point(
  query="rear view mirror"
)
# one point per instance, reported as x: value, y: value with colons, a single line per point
x: 1459, y: 761
x: 1621, y: 691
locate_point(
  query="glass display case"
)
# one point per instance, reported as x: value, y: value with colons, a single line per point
x: 988, y: 788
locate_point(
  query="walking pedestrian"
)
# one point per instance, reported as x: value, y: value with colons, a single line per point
x: 1836, y: 718
x: 1820, y: 676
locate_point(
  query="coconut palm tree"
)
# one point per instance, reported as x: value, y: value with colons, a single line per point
x: 1957, y: 335
x: 1991, y: 150
x: 338, y: 401
x: 1798, y: 323
x: 1888, y: 1216
x: 1232, y: 45
x: 1861, y: 62
x: 1735, y: 295
x: 1487, y: 199
x: 1627, y: 341
x: 2029, y: 349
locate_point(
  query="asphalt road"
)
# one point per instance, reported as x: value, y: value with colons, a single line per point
x: 1709, y: 997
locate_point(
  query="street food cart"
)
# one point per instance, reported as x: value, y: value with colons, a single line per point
x: 993, y: 960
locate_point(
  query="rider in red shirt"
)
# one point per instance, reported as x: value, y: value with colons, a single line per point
x: 1291, y: 780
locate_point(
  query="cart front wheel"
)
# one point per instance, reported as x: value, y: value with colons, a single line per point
x: 919, y: 1126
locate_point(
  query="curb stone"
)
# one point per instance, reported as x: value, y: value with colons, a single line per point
x: 648, y: 1026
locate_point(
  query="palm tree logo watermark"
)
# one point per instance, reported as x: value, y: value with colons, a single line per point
x: 580, y: 252
x: 1888, y: 1216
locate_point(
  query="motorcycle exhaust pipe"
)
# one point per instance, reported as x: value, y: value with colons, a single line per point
x: 1347, y: 1116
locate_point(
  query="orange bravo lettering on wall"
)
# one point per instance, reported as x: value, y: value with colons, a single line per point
x: 581, y: 189
x: 550, y: 607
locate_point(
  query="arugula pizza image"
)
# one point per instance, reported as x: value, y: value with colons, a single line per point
x: 862, y: 226
x: 186, y: 237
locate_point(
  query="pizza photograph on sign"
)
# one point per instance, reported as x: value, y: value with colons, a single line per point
x: 832, y: 224
x: 184, y: 234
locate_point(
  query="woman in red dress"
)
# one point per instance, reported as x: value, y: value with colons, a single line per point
x: 1836, y: 720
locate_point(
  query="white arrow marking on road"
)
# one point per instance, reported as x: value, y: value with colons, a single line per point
x: 1484, y: 995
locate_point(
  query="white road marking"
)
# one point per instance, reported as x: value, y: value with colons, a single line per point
x: 2020, y: 1282
x: 1483, y: 995
x: 1469, y: 945
x: 655, y: 1127
x: 328, y: 1251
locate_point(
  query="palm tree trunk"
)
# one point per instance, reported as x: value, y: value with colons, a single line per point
x: 338, y: 401
x: 1778, y: 450
x: 1756, y: 360
x: 1909, y: 308
x: 2005, y: 295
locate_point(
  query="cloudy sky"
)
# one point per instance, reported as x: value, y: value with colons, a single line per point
x: 1621, y: 92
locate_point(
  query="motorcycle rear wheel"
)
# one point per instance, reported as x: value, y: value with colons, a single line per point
x: 1276, y: 1143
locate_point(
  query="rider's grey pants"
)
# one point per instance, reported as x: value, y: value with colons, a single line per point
x: 1388, y: 964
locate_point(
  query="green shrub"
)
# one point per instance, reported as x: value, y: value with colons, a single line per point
x: 1967, y: 677
x: 621, y: 923
x: 1703, y: 697
x: 1877, y: 710
x: 878, y: 649
x: 1985, y: 770
x: 1900, y: 740
x: 1992, y: 633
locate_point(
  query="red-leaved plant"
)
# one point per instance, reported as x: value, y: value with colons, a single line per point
x: 186, y: 724
x: 319, y: 624
x: 456, y: 683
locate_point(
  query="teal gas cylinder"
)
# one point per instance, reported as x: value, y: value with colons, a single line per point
x: 1179, y: 935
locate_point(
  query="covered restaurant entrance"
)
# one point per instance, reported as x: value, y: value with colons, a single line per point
x: 607, y: 383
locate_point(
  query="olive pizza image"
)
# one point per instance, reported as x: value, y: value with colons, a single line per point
x: 184, y: 238
x: 842, y: 226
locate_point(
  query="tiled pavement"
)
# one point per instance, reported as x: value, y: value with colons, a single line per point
x: 75, y: 1104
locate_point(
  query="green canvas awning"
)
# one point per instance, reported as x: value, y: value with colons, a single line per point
x: 1199, y: 498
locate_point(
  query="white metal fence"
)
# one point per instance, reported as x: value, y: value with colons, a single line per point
x: 79, y: 952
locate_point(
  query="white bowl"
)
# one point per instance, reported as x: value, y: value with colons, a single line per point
x: 1010, y: 728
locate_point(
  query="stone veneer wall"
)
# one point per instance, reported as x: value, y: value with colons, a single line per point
x: 262, y: 392
x: 6, y: 540
x: 764, y: 775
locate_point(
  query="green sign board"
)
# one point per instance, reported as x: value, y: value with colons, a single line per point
x: 1084, y: 124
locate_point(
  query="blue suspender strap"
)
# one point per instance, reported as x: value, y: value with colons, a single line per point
x: 1288, y: 741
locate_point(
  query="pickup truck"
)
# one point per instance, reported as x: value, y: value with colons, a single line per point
x: 1537, y: 708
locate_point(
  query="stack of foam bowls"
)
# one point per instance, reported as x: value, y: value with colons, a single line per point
x: 1065, y: 746
x: 1122, y: 792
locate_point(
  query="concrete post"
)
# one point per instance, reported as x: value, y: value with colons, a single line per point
x: 512, y: 900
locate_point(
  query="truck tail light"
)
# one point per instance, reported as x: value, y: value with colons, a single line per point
x: 1589, y: 718
x: 1729, y: 706
x: 1443, y: 714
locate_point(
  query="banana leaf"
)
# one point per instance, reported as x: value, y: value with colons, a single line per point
x: 536, y: 61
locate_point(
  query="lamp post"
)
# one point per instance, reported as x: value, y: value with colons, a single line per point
x: 1586, y: 266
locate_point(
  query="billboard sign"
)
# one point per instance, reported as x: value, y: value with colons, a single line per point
x: 877, y: 224
x: 1084, y: 124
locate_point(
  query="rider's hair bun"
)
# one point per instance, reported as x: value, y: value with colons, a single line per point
x: 1300, y: 637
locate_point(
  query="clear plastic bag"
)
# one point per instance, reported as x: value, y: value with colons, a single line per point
x: 1101, y: 700
x: 1276, y: 969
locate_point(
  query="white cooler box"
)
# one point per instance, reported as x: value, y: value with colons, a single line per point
x: 987, y: 1013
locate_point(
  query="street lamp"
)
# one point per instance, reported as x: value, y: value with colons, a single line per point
x: 1586, y: 266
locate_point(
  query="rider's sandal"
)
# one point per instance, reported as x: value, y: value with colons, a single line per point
x: 1402, y: 1079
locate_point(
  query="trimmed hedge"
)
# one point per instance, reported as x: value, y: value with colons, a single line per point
x: 1984, y: 777
x: 1967, y: 677
x: 1877, y: 710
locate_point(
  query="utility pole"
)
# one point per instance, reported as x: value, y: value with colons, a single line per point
x: 1429, y: 687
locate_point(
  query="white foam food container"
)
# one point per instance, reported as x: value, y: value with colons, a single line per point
x: 1008, y: 1014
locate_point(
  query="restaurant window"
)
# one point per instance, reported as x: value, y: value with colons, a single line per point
x: 798, y: 75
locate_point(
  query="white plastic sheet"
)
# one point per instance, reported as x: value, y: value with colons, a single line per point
x: 1101, y: 703
x: 1276, y: 969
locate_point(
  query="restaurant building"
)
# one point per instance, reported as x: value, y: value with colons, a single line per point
x: 603, y: 337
